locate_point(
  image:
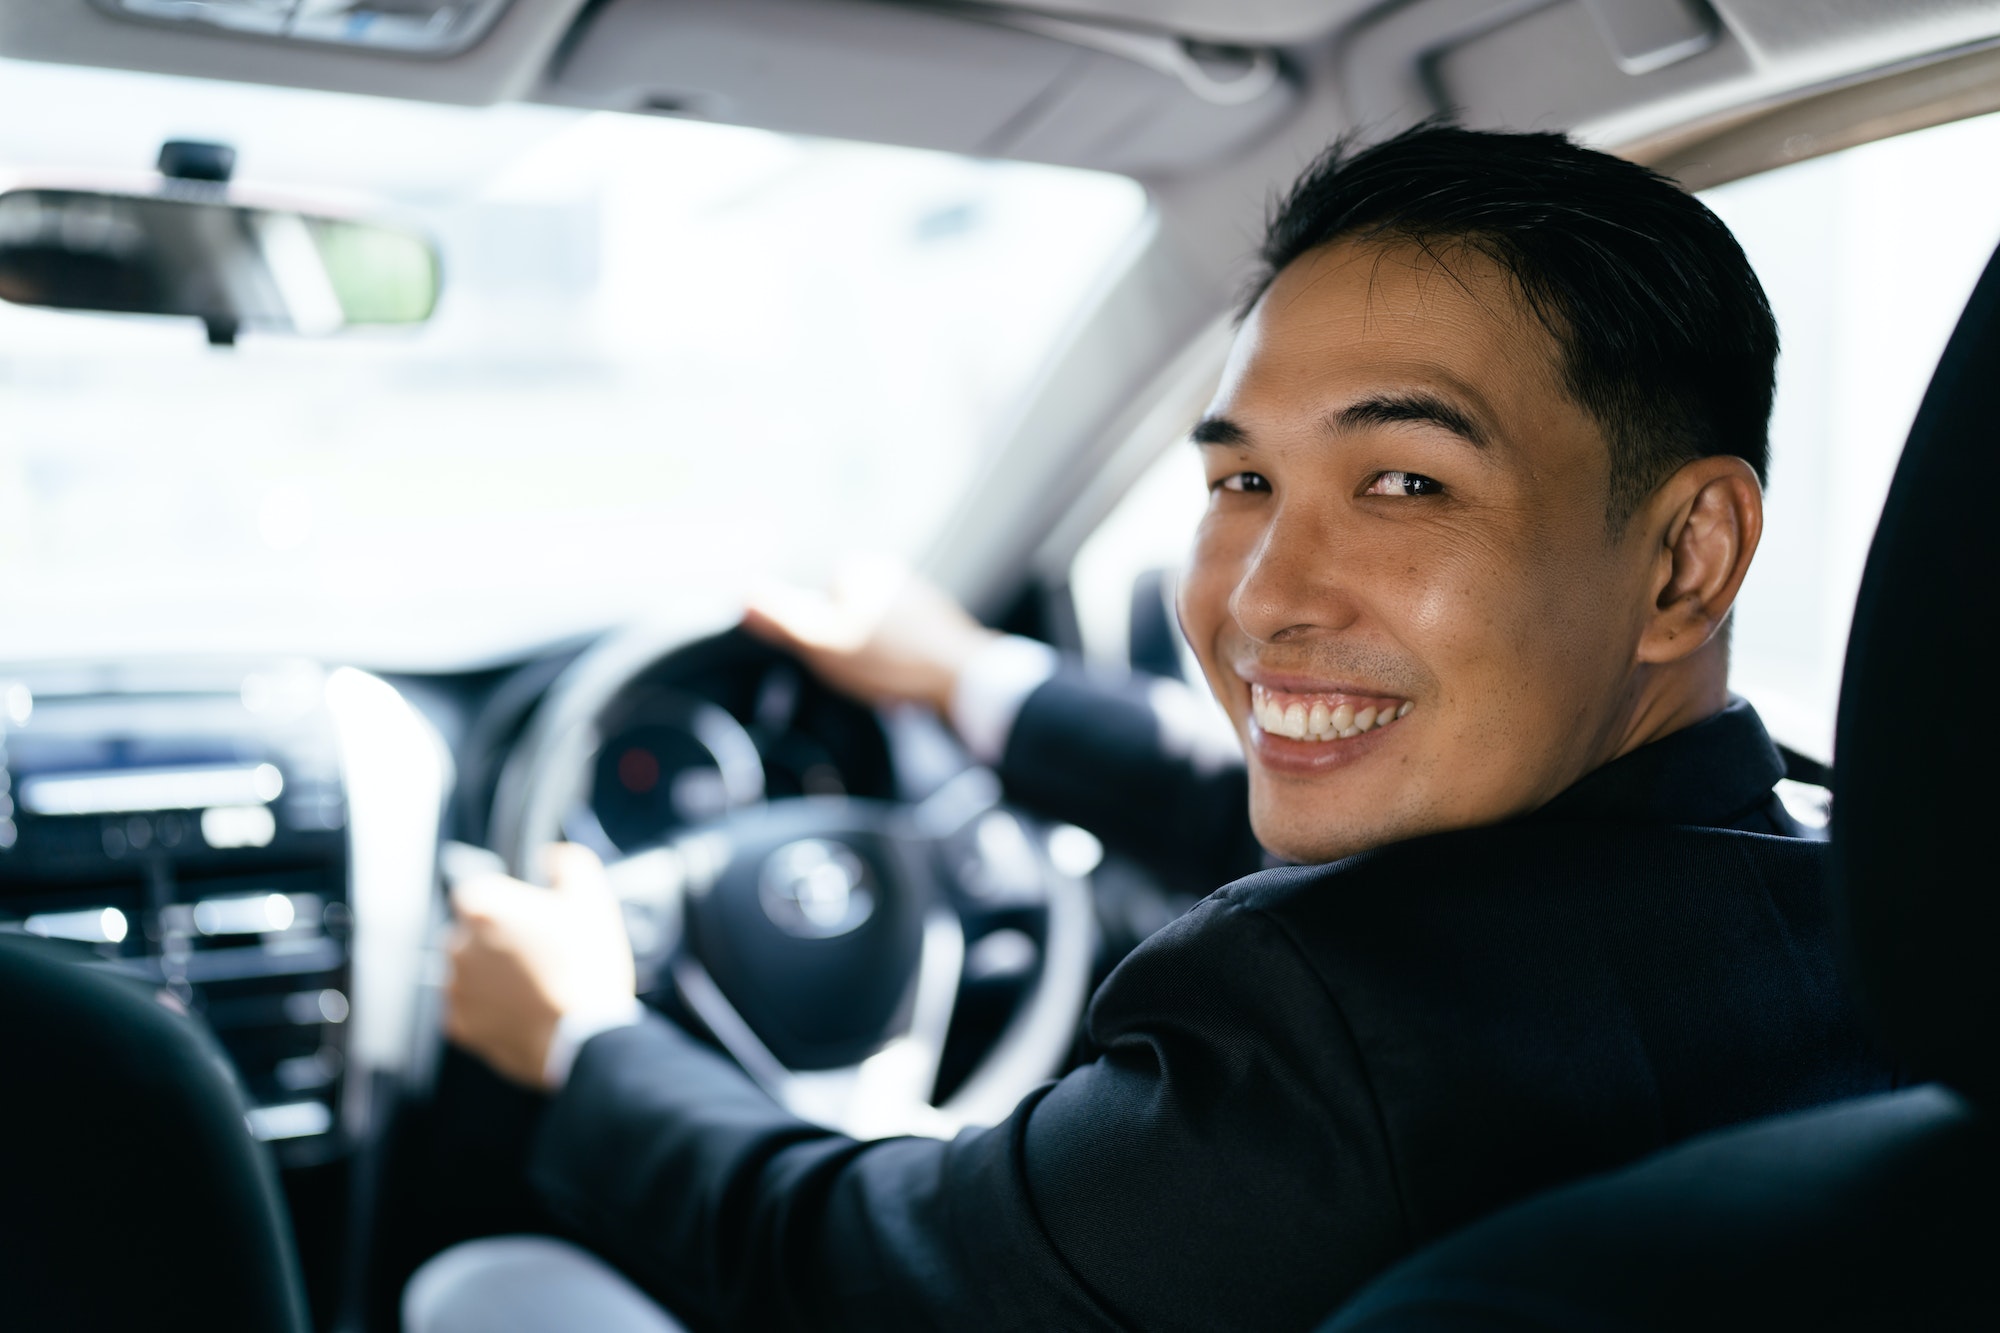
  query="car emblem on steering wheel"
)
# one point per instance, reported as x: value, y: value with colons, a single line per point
x: 815, y: 889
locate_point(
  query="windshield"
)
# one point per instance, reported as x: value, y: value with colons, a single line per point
x: 670, y: 358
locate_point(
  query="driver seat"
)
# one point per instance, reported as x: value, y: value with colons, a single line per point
x: 1876, y: 1213
x: 132, y: 1194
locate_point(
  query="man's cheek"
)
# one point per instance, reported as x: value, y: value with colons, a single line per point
x: 1214, y: 570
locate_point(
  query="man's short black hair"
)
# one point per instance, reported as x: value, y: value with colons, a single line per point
x: 1666, y: 337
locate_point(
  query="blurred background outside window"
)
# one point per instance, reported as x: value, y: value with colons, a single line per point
x: 670, y: 357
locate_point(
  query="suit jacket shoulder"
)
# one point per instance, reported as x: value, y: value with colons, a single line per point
x: 1226, y: 1128
x: 1595, y: 989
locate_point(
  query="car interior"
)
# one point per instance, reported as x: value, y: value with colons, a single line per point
x: 399, y: 397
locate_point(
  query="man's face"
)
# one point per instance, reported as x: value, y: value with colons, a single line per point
x: 1403, y: 591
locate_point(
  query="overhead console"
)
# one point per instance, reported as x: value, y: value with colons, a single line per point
x: 963, y: 78
x: 221, y: 832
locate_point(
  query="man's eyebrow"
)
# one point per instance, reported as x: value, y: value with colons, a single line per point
x: 1410, y: 405
x: 1218, y: 430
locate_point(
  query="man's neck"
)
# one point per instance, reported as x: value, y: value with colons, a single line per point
x: 1665, y: 699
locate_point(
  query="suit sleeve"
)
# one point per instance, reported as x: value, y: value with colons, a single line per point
x: 1131, y: 762
x: 1221, y: 1164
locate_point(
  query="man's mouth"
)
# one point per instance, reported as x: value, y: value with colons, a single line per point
x: 1323, y: 717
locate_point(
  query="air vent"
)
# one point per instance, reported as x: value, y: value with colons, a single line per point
x: 418, y: 27
x: 191, y: 831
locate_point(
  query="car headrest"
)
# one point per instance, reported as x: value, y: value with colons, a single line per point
x: 1917, y: 747
x: 133, y: 1197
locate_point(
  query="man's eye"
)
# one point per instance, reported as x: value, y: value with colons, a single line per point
x: 1242, y: 481
x: 1403, y: 483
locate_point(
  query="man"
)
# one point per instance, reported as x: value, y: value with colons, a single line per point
x: 1484, y: 470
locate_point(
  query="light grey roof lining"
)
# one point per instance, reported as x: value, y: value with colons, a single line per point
x: 963, y: 80
x: 1257, y: 22
x: 1519, y: 62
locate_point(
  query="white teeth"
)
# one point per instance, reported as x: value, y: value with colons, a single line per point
x: 1318, y: 722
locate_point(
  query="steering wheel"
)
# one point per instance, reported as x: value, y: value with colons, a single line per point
x: 820, y: 939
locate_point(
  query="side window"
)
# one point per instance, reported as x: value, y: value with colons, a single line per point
x: 1868, y: 256
x: 1148, y: 531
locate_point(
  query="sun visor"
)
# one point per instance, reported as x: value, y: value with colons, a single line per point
x: 1621, y: 72
x: 980, y: 82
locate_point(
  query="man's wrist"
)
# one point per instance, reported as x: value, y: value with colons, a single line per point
x: 990, y: 689
x: 577, y: 1027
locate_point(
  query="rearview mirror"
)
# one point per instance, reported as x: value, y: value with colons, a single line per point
x: 230, y: 265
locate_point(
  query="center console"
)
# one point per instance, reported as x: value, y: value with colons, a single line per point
x: 253, y: 839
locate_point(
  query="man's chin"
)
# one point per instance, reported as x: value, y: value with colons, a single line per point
x: 1301, y: 841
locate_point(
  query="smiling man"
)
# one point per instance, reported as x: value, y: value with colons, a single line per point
x: 1485, y: 479
x: 1434, y: 588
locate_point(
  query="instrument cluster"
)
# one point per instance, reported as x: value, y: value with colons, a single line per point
x: 723, y: 724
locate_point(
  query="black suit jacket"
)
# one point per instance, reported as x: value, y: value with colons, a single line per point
x: 1312, y: 1072
x: 1126, y: 763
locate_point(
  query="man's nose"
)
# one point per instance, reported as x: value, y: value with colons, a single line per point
x: 1298, y: 580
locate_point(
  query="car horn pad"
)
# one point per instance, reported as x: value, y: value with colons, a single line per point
x: 812, y: 926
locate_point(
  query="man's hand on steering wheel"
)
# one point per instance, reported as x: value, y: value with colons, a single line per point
x: 522, y: 958
x: 879, y: 633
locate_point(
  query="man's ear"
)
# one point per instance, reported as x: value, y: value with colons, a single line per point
x: 1702, y: 525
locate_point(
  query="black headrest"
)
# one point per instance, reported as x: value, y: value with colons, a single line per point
x: 1918, y: 745
x: 133, y: 1196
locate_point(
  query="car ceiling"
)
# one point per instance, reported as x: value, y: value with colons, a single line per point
x: 1112, y: 84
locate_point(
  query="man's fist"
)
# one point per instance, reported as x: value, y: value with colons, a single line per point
x: 880, y: 634
x: 523, y: 957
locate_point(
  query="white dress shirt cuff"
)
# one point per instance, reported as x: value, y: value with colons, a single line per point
x: 992, y: 688
x: 574, y: 1029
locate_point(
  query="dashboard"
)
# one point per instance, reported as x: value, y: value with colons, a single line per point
x: 260, y: 838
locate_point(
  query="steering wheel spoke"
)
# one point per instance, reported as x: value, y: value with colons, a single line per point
x: 886, y: 1093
